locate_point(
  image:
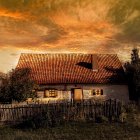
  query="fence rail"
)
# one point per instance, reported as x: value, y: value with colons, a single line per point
x: 84, y: 110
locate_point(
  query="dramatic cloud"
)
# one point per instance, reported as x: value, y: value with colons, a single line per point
x: 88, y: 26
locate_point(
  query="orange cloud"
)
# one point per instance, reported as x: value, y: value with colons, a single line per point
x: 87, y: 26
x: 15, y: 15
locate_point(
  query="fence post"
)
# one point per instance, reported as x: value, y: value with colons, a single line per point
x: 110, y: 110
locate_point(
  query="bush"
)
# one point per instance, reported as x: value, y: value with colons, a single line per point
x: 123, y: 117
x: 101, y: 119
x: 42, y: 120
x: 17, y: 86
x: 131, y: 108
x: 133, y: 114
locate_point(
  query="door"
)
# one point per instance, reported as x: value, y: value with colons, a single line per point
x: 78, y: 94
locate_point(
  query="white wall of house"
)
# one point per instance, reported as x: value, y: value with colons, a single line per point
x: 61, y: 95
x: 119, y: 92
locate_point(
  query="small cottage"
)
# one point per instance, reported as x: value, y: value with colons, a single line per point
x: 76, y: 76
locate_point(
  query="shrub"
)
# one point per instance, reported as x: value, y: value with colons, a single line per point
x: 123, y: 117
x: 42, y: 120
x: 133, y: 114
x: 101, y: 119
x: 17, y: 86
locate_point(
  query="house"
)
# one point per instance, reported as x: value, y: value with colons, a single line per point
x: 76, y: 76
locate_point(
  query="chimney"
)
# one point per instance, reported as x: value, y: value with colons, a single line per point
x: 94, y: 62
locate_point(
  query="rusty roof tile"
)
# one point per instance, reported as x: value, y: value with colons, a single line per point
x: 71, y: 68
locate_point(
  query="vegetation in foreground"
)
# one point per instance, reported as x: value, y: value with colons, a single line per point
x: 129, y: 129
x: 17, y: 86
x: 75, y: 131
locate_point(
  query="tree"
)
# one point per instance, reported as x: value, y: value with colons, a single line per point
x: 135, y: 56
x: 133, y: 75
x: 17, y: 86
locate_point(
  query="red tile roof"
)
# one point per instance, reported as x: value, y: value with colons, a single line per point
x: 72, y: 68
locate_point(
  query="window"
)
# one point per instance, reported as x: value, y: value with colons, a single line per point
x: 86, y: 93
x: 51, y: 93
x: 40, y: 94
x: 97, y: 91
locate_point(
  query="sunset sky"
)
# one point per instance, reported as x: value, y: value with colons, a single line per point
x: 67, y: 26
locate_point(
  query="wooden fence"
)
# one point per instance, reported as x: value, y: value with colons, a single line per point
x: 84, y: 110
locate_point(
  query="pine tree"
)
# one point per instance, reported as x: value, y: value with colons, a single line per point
x: 135, y: 56
x: 133, y: 75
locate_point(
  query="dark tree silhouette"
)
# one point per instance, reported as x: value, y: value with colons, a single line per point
x: 17, y: 86
x: 135, y: 56
x: 132, y: 70
x: 118, y: 76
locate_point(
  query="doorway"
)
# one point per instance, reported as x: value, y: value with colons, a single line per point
x: 77, y: 94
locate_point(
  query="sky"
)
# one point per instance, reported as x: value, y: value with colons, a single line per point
x: 67, y: 26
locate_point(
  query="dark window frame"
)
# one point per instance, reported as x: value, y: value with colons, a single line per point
x: 97, y: 92
x: 53, y: 93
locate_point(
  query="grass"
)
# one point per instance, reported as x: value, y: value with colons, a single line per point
x: 75, y: 131
x: 128, y: 130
